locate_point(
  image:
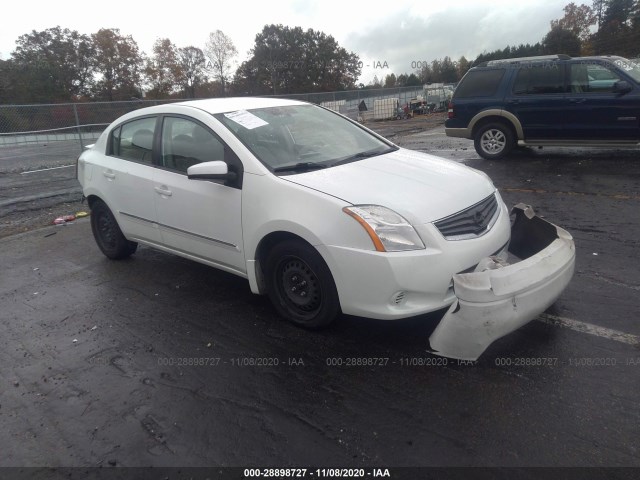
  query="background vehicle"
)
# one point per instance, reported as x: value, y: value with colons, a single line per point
x: 551, y: 100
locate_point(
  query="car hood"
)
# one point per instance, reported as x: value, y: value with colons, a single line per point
x: 421, y: 187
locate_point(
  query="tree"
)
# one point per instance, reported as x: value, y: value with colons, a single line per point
x: 560, y: 40
x: 291, y: 60
x: 375, y: 83
x: 118, y: 64
x: 616, y: 34
x: 55, y: 64
x: 220, y: 50
x: 5, y: 81
x: 425, y: 74
x: 436, y: 71
x: 448, y: 71
x: 578, y: 20
x: 598, y: 10
x: 162, y: 69
x: 618, y: 12
x: 192, y: 69
x: 521, y: 50
x: 390, y: 80
x: 329, y: 66
x: 246, y: 80
x: 413, y: 81
x: 462, y: 66
x: 634, y: 39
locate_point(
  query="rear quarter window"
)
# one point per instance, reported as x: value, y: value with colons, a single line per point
x: 480, y: 83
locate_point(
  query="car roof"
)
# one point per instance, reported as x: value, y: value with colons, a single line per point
x: 545, y: 58
x: 231, y: 104
x: 211, y: 106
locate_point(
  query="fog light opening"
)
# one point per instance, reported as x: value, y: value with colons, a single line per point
x: 398, y: 298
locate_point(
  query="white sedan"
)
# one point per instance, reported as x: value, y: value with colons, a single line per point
x: 324, y: 216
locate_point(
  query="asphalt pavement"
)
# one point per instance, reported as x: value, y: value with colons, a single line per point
x: 159, y: 361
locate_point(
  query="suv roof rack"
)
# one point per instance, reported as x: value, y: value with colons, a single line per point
x: 526, y: 59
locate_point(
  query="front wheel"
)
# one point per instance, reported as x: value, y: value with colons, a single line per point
x: 107, y: 233
x: 493, y: 141
x: 300, y: 285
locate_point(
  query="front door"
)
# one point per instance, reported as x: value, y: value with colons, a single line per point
x: 595, y: 111
x: 199, y: 218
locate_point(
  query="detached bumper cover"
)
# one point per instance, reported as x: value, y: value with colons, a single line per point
x: 498, y: 298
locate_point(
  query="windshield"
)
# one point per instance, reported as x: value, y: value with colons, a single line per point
x: 630, y: 68
x: 298, y: 138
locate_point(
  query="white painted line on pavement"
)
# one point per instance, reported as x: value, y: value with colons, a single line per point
x: 452, y: 150
x: 589, y: 328
x: 45, y: 169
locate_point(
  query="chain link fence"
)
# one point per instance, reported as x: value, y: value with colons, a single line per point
x: 33, y: 136
x: 38, y: 136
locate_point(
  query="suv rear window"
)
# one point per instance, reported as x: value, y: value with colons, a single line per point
x: 480, y: 83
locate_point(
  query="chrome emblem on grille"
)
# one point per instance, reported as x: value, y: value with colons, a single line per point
x: 479, y: 218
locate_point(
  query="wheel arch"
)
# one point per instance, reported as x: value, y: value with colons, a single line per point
x: 263, y: 248
x: 497, y: 116
x: 106, y: 231
x: 92, y: 199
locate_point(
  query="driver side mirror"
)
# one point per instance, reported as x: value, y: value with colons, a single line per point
x: 622, y: 87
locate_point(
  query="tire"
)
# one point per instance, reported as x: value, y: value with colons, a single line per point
x: 107, y: 233
x: 493, y: 141
x: 300, y: 285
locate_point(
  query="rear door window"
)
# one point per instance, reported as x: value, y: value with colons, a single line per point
x: 134, y: 140
x: 536, y: 79
x: 480, y: 83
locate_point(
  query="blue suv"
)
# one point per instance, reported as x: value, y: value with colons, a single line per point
x: 551, y: 100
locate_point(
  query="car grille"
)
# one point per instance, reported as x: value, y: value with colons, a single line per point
x: 471, y: 222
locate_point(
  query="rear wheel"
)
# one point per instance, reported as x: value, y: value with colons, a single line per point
x: 300, y: 285
x: 493, y: 141
x: 107, y: 233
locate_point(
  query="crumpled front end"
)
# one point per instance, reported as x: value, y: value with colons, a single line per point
x: 498, y: 297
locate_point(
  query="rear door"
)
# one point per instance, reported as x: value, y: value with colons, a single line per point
x: 128, y: 177
x: 537, y: 99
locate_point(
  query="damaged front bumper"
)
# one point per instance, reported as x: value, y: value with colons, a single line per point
x: 498, y: 297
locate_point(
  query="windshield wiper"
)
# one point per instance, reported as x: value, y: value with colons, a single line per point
x: 361, y: 155
x: 300, y: 167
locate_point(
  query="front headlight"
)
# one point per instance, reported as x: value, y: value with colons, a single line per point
x: 389, y: 231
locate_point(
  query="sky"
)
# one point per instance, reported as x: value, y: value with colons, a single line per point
x: 389, y: 37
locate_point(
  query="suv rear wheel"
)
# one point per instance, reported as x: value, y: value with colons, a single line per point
x: 493, y: 141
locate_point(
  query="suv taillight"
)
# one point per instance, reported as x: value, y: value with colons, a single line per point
x: 450, y: 113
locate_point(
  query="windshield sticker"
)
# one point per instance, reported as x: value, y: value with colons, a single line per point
x: 624, y: 65
x: 246, y: 119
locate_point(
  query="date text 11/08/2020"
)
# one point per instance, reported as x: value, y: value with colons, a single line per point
x: 317, y: 472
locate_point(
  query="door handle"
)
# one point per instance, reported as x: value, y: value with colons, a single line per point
x: 577, y: 100
x: 109, y: 174
x: 163, y: 190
